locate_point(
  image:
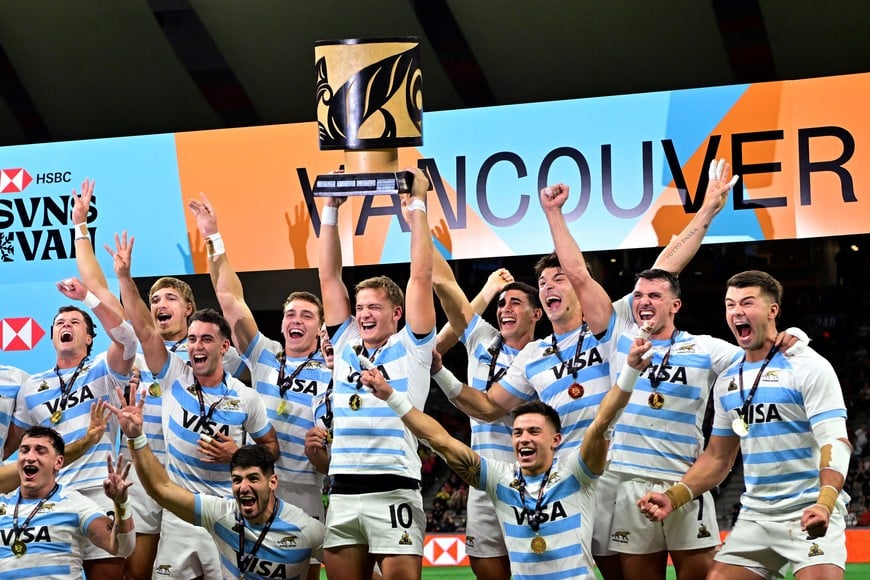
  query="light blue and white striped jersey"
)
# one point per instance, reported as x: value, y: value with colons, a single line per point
x: 780, y: 454
x: 663, y: 443
x: 490, y: 439
x: 293, y: 414
x: 56, y: 536
x: 369, y: 438
x: 40, y: 397
x: 11, y: 380
x: 537, y: 372
x: 292, y: 540
x: 236, y: 409
x: 152, y: 412
x: 568, y: 508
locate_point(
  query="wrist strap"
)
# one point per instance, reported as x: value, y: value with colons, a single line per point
x: 680, y: 494
x: 125, y: 512
x: 400, y: 403
x: 138, y: 442
x: 81, y: 231
x: 90, y: 300
x: 417, y: 205
x: 214, y: 245
x: 448, y: 383
x: 329, y: 216
x: 627, y: 377
x: 828, y: 495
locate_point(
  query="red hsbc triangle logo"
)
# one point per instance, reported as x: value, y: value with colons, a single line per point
x: 14, y: 180
x: 19, y: 333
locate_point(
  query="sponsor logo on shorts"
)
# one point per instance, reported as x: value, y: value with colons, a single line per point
x: 815, y: 550
x: 703, y: 532
x: 405, y: 540
x: 620, y: 537
x: 469, y: 540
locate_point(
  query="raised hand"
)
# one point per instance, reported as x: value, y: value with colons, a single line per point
x: 553, y: 197
x: 72, y: 288
x: 130, y: 414
x: 122, y: 255
x: 81, y: 203
x: 115, y: 485
x: 206, y: 218
x: 718, y: 185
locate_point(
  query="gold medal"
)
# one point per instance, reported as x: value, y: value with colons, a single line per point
x: 355, y: 402
x: 19, y: 548
x: 539, y: 545
x: 56, y: 416
x: 740, y: 427
x: 154, y: 390
x: 656, y: 400
x: 576, y: 390
x: 282, y: 407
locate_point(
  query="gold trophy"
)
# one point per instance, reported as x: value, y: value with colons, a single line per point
x: 369, y: 103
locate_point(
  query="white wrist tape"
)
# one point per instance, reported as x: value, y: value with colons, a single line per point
x: 835, y: 455
x: 214, y: 245
x: 400, y: 403
x: 329, y: 216
x: 417, y: 205
x: 449, y: 384
x: 126, y: 337
x: 125, y: 512
x: 627, y: 377
x: 90, y: 300
x: 126, y: 543
x: 81, y: 231
x: 138, y: 442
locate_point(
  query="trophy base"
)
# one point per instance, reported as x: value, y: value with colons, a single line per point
x: 347, y: 184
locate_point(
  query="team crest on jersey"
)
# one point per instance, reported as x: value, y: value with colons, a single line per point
x: 43, y: 386
x: 405, y: 540
x: 2, y: 509
x: 732, y: 386
x: 771, y: 375
x: 313, y: 364
x: 703, y: 532
x: 554, y: 477
x: 515, y: 484
x: 163, y: 569
x: 549, y: 351
x: 231, y: 404
x: 620, y: 537
x: 469, y: 541
x: 685, y: 349
x: 192, y: 389
x: 815, y: 550
x: 287, y: 541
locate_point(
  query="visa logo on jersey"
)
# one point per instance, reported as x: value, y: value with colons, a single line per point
x: 19, y: 333
x: 14, y: 180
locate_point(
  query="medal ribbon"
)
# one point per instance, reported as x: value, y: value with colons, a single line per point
x: 583, y: 331
x: 206, y: 416
x: 285, y: 384
x: 657, y: 377
x: 534, y: 519
x: 178, y: 343
x: 241, y: 557
x: 15, y: 528
x: 66, y: 388
x: 748, y: 400
x: 494, y: 351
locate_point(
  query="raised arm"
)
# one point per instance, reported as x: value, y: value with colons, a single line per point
x: 227, y: 285
x: 460, y: 458
x: 86, y: 261
x: 596, y: 304
x: 151, y: 472
x: 683, y: 247
x: 333, y: 292
x: 419, y: 304
x: 593, y: 449
x: 123, y: 348
x: 485, y: 406
x: 456, y: 306
x: 140, y: 315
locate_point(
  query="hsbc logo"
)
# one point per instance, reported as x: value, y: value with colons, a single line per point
x: 19, y: 333
x: 14, y: 180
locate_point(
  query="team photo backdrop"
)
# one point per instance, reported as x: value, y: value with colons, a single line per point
x: 636, y: 165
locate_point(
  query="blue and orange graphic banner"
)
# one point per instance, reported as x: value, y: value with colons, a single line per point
x: 636, y: 165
